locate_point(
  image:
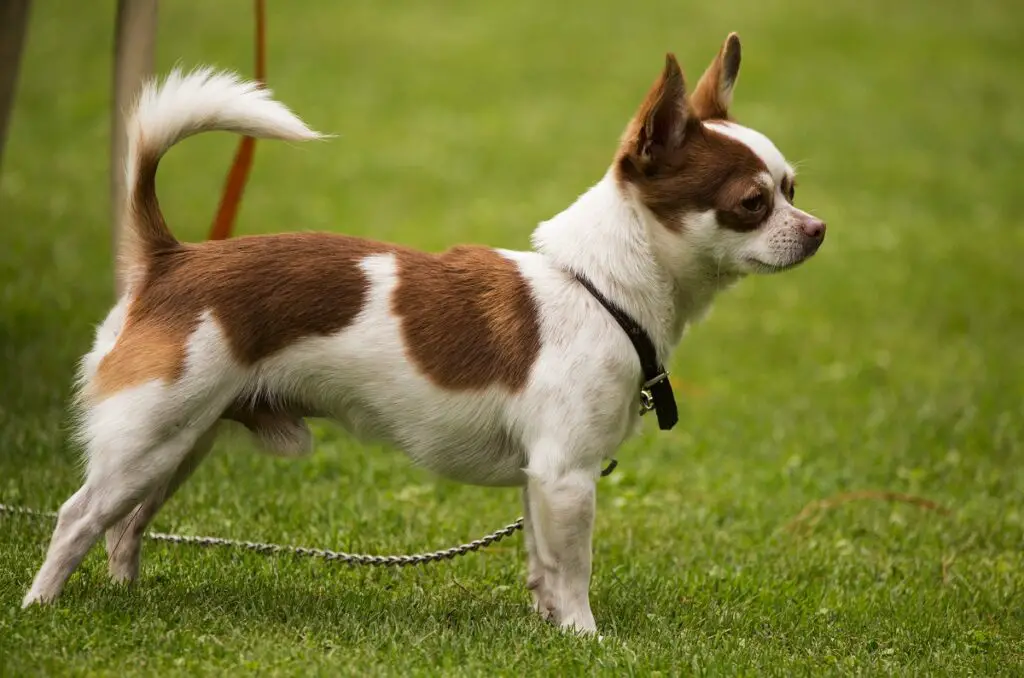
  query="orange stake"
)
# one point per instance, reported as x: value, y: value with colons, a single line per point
x: 234, y: 186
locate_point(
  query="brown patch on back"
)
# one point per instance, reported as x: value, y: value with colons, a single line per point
x: 143, y: 352
x: 265, y: 292
x: 468, y: 318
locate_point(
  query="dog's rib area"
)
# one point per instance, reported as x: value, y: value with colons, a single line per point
x: 468, y: 318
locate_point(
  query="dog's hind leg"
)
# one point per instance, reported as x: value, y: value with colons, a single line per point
x: 136, y: 440
x: 124, y: 539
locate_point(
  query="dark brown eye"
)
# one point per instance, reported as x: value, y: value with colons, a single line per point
x: 791, y: 193
x: 754, y: 203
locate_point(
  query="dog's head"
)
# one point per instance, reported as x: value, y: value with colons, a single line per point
x: 719, y: 191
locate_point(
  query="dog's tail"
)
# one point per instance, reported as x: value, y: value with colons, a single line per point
x: 186, y: 104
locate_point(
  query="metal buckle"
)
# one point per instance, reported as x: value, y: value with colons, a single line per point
x: 646, y: 401
x: 646, y: 397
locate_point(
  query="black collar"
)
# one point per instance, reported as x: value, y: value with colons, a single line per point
x: 656, y: 392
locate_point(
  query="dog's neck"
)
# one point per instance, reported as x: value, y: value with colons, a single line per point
x: 611, y: 238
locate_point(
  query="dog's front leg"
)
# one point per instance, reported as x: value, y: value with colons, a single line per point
x: 561, y: 510
x: 537, y: 576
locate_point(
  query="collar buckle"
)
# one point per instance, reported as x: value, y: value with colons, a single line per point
x: 646, y: 401
x: 646, y: 396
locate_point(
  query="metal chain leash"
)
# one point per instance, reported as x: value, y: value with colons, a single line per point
x: 267, y: 549
x: 323, y: 554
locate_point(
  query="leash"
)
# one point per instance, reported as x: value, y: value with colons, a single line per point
x: 268, y: 549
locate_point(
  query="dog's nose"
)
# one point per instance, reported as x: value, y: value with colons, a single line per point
x: 814, y: 228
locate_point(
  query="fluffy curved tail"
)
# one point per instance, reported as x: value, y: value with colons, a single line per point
x: 185, y: 104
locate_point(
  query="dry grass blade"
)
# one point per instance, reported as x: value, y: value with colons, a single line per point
x: 818, y: 506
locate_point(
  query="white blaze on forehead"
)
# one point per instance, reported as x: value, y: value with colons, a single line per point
x: 761, y: 145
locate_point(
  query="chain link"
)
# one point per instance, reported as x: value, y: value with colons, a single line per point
x: 323, y: 554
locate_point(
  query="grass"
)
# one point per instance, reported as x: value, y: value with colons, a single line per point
x: 891, y: 362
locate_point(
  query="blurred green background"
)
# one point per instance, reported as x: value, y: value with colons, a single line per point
x: 891, y: 361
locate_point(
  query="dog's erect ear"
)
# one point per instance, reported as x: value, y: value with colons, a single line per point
x: 660, y: 124
x: 713, y: 94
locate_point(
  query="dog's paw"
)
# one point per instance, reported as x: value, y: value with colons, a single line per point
x: 582, y: 631
x: 121, y: 572
x: 543, y: 601
x: 36, y: 597
x: 581, y: 623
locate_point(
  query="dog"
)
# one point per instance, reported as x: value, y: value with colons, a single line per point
x: 488, y: 366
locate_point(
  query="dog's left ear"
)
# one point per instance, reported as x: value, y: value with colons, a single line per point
x: 713, y: 94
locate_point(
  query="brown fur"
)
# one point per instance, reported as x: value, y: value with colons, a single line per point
x: 713, y: 93
x: 656, y: 130
x: 677, y: 165
x: 144, y: 351
x: 468, y: 318
x: 149, y: 233
x: 265, y: 291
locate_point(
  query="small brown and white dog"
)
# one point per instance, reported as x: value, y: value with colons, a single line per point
x: 488, y: 366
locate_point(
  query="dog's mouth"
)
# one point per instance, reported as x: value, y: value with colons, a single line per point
x: 763, y: 267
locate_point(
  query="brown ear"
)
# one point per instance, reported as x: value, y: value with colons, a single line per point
x: 660, y: 124
x: 713, y: 94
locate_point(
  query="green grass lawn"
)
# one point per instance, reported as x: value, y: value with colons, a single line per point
x: 892, y: 362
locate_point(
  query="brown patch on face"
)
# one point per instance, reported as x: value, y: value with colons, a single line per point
x: 677, y: 165
x: 709, y: 171
x: 468, y: 318
x: 266, y: 292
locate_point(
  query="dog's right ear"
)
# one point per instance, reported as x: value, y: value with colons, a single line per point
x: 660, y: 124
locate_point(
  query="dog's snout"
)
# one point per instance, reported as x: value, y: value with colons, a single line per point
x: 814, y: 228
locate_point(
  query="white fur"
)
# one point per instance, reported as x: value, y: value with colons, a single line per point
x: 779, y: 244
x: 206, y: 100
x: 761, y: 145
x: 579, y: 404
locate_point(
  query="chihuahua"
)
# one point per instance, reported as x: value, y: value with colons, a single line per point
x: 488, y: 366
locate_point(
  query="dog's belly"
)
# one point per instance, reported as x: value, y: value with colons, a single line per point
x: 470, y: 455
x: 463, y: 444
x: 461, y: 436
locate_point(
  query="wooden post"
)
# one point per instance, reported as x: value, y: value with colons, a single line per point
x: 134, y: 53
x: 13, y: 25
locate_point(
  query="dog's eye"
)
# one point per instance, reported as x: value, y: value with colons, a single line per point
x: 791, y: 193
x: 754, y: 203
